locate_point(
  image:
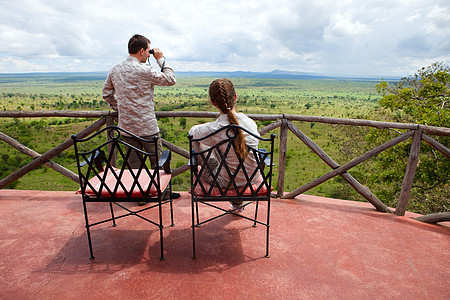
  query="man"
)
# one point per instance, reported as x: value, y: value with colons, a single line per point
x: 129, y: 89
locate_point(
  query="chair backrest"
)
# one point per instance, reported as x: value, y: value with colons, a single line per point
x: 233, y: 177
x: 104, y: 170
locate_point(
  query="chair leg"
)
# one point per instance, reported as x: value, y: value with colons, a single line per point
x: 90, y: 244
x: 193, y: 228
x: 196, y: 209
x: 171, y: 213
x: 267, y: 241
x: 268, y: 227
x: 256, y: 213
x: 112, y: 214
x: 88, y: 232
x: 193, y: 243
x: 161, y: 241
x: 161, y: 237
x: 171, y: 205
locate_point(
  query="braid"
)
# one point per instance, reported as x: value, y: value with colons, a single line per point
x: 222, y: 94
x: 224, y: 97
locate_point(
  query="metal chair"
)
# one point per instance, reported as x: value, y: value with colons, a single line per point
x: 255, y: 188
x: 101, y: 180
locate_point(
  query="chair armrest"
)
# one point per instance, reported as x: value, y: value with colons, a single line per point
x: 97, y: 159
x: 192, y: 161
x: 164, y: 161
x: 267, y: 160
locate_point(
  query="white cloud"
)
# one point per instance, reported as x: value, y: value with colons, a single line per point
x: 342, y: 26
x: 13, y: 65
x: 335, y: 37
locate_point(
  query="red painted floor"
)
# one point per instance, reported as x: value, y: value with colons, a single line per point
x: 320, y: 249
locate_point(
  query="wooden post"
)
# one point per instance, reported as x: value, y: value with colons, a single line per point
x: 49, y: 154
x: 361, y: 189
x: 436, y: 145
x: 442, y: 131
x: 180, y: 151
x: 282, y: 158
x: 110, y: 122
x: 349, y: 165
x: 175, y: 149
x: 56, y: 113
x: 269, y: 127
x: 24, y: 149
x: 410, y: 173
x: 434, y: 218
x: 180, y: 170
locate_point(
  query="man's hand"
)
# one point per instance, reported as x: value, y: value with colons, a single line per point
x: 157, y: 54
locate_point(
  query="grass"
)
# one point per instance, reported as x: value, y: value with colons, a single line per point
x: 331, y: 98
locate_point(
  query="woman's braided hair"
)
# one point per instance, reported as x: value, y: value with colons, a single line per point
x: 222, y: 95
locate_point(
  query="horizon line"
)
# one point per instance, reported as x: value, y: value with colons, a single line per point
x: 275, y: 74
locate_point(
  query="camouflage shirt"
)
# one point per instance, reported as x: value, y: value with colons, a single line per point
x: 129, y: 89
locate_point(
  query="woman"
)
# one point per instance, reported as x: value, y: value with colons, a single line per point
x: 223, y: 97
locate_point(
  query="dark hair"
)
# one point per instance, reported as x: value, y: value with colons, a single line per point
x: 136, y: 43
x: 222, y: 95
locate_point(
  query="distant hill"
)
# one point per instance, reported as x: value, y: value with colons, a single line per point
x: 101, y: 75
x: 280, y: 74
x: 54, y: 76
x: 277, y: 74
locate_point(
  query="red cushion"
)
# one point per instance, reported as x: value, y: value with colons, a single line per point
x: 199, y: 192
x: 127, y: 181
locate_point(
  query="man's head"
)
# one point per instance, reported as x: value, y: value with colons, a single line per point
x: 139, y: 47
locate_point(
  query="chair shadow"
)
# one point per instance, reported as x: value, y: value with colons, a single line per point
x: 114, y: 250
x: 219, y: 247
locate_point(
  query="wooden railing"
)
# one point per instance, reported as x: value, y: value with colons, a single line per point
x: 418, y: 133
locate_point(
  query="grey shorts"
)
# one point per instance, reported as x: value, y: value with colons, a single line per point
x: 134, y: 160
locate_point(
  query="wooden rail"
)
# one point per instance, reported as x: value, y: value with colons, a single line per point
x: 418, y: 133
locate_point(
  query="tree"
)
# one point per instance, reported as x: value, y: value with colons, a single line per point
x: 423, y: 98
x: 183, y: 122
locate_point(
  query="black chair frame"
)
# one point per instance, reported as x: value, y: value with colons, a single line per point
x: 95, y: 164
x: 212, y: 193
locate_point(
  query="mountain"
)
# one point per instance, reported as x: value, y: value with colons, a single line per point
x: 276, y: 74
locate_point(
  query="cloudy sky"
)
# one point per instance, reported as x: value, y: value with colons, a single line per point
x: 334, y: 37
